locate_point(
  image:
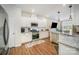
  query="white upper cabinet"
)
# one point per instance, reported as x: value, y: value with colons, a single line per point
x: 26, y: 21
x: 42, y: 23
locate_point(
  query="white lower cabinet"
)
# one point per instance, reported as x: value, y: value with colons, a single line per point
x: 66, y: 50
x: 26, y: 37
x: 68, y: 45
x: 54, y: 37
x: 43, y: 34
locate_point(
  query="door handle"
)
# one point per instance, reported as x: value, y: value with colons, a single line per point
x: 4, y: 36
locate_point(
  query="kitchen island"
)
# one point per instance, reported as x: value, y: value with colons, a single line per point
x: 68, y: 44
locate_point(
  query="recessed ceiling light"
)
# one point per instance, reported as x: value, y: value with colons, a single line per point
x: 33, y: 10
x: 47, y: 15
x: 63, y: 5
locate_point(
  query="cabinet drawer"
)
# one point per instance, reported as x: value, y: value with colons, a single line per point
x: 54, y: 37
x: 69, y: 40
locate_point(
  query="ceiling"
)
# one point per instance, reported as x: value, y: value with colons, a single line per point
x: 42, y: 9
x: 48, y: 10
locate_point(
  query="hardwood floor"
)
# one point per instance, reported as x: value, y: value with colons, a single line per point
x: 45, y: 48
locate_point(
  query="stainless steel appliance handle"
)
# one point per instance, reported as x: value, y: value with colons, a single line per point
x: 4, y: 36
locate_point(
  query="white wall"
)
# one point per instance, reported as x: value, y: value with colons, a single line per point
x: 76, y: 14
x: 64, y: 15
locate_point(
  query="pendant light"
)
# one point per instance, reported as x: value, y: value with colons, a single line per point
x: 59, y: 27
x: 58, y: 16
x: 70, y: 17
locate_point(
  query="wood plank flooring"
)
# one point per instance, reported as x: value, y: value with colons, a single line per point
x: 45, y: 48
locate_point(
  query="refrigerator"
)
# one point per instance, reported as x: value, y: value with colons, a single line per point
x: 4, y: 31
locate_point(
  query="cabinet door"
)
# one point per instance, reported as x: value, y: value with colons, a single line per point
x: 42, y: 23
x: 69, y: 40
x: 26, y: 37
x: 65, y: 50
x: 43, y: 34
x: 54, y: 37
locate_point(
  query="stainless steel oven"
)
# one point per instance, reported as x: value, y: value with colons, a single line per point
x: 35, y: 31
x: 35, y: 35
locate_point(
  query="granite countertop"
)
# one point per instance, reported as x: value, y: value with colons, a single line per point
x: 67, y: 39
x: 61, y: 33
x: 31, y: 31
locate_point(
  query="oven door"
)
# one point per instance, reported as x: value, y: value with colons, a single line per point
x: 35, y: 35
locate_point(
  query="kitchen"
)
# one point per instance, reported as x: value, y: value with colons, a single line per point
x: 26, y: 27
x: 32, y: 24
